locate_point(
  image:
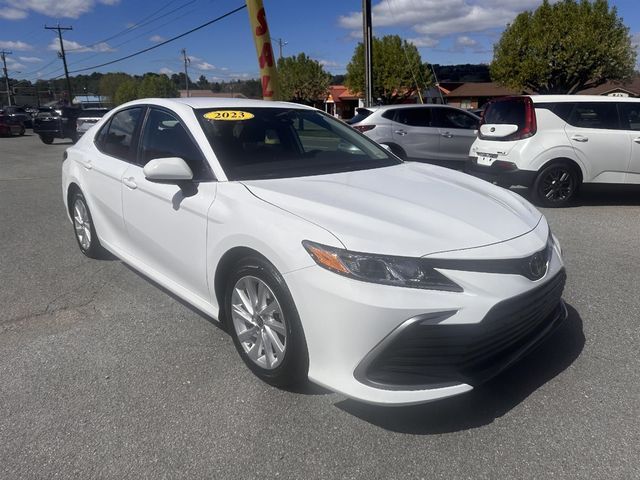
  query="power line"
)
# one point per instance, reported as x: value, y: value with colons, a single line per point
x: 84, y: 60
x: 141, y: 23
x: 206, y: 24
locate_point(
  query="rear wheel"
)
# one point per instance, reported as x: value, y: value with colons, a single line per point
x: 556, y: 185
x: 264, y: 323
x: 83, y: 227
x: 46, y: 139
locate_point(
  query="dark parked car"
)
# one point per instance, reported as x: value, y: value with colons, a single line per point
x: 56, y: 123
x: 10, y: 125
x: 20, y: 114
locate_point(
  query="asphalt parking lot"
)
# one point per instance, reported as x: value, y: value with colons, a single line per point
x: 105, y: 375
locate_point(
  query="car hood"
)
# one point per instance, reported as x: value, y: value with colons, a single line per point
x: 410, y: 209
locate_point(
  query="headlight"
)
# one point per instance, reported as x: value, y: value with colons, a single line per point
x: 384, y: 269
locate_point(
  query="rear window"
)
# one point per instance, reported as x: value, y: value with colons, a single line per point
x: 257, y: 143
x: 506, y: 112
x: 47, y: 113
x: 361, y: 114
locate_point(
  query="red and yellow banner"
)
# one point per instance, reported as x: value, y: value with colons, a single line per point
x: 262, y: 39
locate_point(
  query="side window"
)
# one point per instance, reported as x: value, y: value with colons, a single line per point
x: 116, y: 138
x: 414, y: 117
x: 603, y: 115
x: 164, y: 136
x: 630, y: 113
x: 389, y: 114
x: 450, y: 118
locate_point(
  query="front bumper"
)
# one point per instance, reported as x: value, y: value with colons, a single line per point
x: 496, y: 174
x: 354, y: 330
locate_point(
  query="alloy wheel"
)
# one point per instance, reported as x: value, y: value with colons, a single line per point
x: 82, y: 224
x: 259, y: 322
x: 558, y: 184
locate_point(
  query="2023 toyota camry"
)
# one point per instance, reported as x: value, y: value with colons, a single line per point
x: 326, y: 256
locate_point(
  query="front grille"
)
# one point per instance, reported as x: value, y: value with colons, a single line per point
x: 428, y: 355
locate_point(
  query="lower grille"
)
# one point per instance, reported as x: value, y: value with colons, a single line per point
x: 436, y: 355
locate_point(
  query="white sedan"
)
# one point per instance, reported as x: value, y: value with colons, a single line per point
x: 325, y: 256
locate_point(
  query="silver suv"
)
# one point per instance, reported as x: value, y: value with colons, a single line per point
x: 431, y: 133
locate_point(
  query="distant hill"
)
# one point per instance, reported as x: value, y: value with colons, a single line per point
x: 462, y: 73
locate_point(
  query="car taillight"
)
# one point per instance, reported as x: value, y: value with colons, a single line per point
x: 530, y: 124
x: 364, y: 128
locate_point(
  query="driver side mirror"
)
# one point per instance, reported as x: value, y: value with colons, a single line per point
x: 170, y: 169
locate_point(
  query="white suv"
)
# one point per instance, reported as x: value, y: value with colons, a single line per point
x: 554, y: 143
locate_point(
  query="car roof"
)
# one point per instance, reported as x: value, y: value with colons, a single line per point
x: 579, y: 98
x: 212, y: 102
x: 411, y: 105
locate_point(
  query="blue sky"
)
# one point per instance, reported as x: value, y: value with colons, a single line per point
x: 445, y: 31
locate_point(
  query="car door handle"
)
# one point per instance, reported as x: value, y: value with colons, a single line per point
x: 401, y: 132
x: 130, y: 182
x: 446, y: 135
x: 580, y: 138
x: 637, y: 139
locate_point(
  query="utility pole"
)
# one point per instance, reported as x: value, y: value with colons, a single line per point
x: 64, y: 58
x: 281, y: 44
x: 367, y: 40
x: 6, y: 75
x: 186, y: 75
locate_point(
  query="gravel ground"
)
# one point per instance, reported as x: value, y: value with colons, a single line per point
x: 105, y: 375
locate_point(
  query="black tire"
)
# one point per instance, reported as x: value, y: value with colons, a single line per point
x: 294, y: 364
x: 92, y: 248
x: 46, y: 139
x: 22, y: 131
x: 556, y: 185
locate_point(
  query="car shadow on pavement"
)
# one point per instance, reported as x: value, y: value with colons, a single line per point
x: 598, y: 195
x: 489, y: 401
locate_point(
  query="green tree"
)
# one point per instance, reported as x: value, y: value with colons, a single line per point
x: 302, y: 79
x: 398, y: 71
x: 154, y: 85
x: 203, y: 83
x: 109, y: 84
x: 564, y: 48
x: 127, y: 91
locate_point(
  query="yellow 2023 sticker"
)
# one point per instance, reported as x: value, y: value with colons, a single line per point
x: 228, y: 115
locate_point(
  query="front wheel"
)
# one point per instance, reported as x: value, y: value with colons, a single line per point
x: 46, y: 139
x: 264, y: 323
x: 556, y: 185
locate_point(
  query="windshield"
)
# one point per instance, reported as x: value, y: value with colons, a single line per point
x: 257, y: 143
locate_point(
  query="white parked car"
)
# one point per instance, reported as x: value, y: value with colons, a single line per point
x: 326, y: 257
x: 555, y: 143
x: 427, y: 133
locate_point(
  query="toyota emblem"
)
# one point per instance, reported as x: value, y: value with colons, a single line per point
x: 538, y: 266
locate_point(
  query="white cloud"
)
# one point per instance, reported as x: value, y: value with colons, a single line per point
x: 30, y: 59
x: 9, y: 13
x: 328, y: 63
x: 74, y: 47
x: 434, y: 19
x: 205, y: 66
x: 166, y: 71
x: 15, y: 45
x: 17, y: 9
x: 156, y: 39
x: 635, y: 40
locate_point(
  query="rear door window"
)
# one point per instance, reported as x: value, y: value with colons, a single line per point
x: 601, y: 115
x: 117, y: 137
x: 451, y: 118
x: 414, y: 117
